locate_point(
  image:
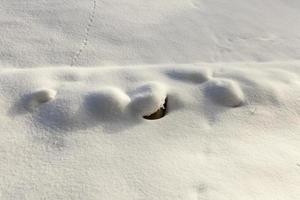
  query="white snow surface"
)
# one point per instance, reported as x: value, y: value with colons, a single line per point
x: 232, y: 136
x: 125, y: 32
x: 78, y: 76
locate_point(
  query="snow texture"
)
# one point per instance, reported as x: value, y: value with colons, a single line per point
x: 39, y: 97
x: 233, y: 136
x: 35, y: 33
x: 226, y: 92
x: 77, y: 78
x: 148, y: 98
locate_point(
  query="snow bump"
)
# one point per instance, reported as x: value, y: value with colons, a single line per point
x: 106, y: 102
x: 193, y: 75
x: 39, y: 97
x: 148, y: 99
x: 225, y: 92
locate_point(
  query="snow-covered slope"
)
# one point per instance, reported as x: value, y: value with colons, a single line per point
x: 231, y: 132
x: 118, y: 32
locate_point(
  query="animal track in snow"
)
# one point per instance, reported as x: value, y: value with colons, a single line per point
x: 86, y: 35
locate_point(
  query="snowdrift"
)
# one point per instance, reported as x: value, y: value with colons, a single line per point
x: 231, y: 131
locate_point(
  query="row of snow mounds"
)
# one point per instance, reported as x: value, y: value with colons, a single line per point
x: 229, y: 131
x: 67, y: 98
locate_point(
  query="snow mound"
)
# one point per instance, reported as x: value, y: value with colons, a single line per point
x: 148, y: 98
x: 193, y: 75
x: 43, y: 95
x: 107, y: 102
x: 88, y: 136
x: 39, y: 97
x: 225, y: 92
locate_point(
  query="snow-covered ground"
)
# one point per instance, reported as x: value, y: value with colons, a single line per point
x: 118, y: 32
x: 77, y: 78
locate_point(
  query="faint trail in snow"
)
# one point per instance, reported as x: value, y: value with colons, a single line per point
x: 86, y: 35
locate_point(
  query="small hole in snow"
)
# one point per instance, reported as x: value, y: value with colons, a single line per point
x: 160, y: 113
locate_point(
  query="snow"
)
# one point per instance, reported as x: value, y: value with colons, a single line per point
x: 191, y: 74
x: 38, y: 33
x: 90, y: 139
x: 40, y: 96
x: 108, y: 102
x: 148, y: 98
x: 78, y: 79
x: 225, y: 92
